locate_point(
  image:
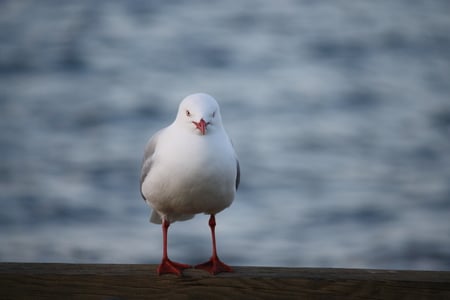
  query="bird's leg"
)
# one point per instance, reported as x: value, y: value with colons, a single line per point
x: 167, y: 266
x: 214, y: 265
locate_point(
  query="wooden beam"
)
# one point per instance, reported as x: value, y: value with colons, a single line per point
x: 119, y: 281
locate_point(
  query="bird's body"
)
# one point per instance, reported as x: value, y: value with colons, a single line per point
x: 190, y: 167
x: 184, y: 182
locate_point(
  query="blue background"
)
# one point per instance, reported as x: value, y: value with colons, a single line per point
x: 339, y: 112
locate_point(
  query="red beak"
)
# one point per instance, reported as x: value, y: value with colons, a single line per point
x: 201, y: 126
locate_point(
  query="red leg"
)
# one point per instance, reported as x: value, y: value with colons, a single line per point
x: 214, y: 265
x: 167, y: 266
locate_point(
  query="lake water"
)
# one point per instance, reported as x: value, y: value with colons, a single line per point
x: 339, y: 112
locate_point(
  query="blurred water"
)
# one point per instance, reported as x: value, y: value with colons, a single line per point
x: 340, y: 114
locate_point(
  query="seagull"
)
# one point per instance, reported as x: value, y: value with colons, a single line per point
x: 190, y: 167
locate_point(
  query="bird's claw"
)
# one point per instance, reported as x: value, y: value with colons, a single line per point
x: 214, y: 266
x: 170, y: 267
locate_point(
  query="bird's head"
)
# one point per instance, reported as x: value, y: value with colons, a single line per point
x: 199, y: 112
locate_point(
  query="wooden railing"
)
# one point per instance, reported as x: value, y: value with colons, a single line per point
x: 119, y: 281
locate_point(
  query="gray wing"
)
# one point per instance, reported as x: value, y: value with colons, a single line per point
x: 238, y: 168
x: 148, y: 158
x: 238, y: 174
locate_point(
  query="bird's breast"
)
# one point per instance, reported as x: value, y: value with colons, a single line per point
x: 194, y: 176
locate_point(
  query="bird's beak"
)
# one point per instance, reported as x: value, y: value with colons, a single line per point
x: 201, y: 126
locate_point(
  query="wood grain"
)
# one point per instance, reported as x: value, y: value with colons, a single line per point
x: 119, y: 281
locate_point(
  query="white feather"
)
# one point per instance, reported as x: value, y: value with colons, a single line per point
x: 186, y: 173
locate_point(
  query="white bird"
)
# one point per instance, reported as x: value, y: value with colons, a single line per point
x: 190, y: 167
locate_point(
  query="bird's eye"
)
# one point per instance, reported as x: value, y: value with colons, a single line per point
x: 214, y: 114
x: 188, y: 113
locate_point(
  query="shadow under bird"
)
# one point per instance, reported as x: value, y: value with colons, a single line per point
x: 190, y: 167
